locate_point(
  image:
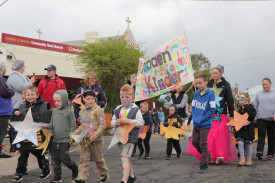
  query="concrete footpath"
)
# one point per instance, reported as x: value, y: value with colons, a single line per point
x: 159, y: 170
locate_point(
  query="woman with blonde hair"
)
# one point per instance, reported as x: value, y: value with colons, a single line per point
x: 91, y: 83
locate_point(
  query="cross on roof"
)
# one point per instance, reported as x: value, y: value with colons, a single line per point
x: 39, y: 33
x: 128, y: 21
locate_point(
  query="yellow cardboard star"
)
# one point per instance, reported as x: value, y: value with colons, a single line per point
x: 172, y: 131
x: 142, y: 132
x: 239, y: 120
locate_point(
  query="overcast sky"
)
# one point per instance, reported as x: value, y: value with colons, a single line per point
x: 224, y: 31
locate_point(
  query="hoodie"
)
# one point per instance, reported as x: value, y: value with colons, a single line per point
x: 62, y: 121
x: 224, y: 97
x: 47, y: 87
x: 203, y: 108
x: 148, y: 120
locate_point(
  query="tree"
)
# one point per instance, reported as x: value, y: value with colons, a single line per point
x: 113, y: 61
x: 200, y: 64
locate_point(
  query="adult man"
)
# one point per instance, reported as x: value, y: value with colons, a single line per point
x: 6, y: 106
x: 50, y: 84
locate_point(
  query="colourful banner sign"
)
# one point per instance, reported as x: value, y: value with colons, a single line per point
x: 37, y: 43
x: 167, y: 68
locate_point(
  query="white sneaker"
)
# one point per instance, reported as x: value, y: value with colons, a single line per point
x: 220, y: 160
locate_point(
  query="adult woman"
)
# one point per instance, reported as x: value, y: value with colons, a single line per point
x: 180, y: 99
x: 264, y: 104
x: 18, y: 82
x: 91, y: 83
x: 6, y: 109
x: 220, y: 144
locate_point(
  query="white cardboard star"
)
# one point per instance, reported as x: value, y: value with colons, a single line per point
x: 26, y: 130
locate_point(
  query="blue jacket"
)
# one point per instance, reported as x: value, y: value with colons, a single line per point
x: 5, y: 98
x: 100, y: 95
x: 203, y: 108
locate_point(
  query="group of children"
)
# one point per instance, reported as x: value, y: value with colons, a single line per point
x: 63, y: 124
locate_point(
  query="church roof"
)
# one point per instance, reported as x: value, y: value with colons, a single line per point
x: 128, y: 36
x: 80, y: 42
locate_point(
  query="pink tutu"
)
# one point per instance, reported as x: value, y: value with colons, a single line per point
x: 220, y: 142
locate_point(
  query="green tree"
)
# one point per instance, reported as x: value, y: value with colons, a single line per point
x: 112, y: 60
x: 200, y: 64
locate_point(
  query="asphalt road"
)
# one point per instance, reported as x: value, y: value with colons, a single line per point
x: 159, y: 170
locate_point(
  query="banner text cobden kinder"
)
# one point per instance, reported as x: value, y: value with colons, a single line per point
x: 37, y: 43
x: 167, y: 68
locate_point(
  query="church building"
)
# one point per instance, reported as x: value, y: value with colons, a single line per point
x: 38, y: 54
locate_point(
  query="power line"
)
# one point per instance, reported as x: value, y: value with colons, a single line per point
x: 3, y: 3
x: 251, y: 58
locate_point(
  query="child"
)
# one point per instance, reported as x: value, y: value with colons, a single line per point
x: 156, y: 121
x: 246, y: 134
x: 62, y: 123
x: 134, y: 115
x: 203, y: 108
x: 92, y: 142
x: 23, y: 95
x: 148, y: 121
x: 173, y: 120
x: 38, y: 108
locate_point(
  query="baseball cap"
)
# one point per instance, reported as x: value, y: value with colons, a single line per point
x: 50, y: 68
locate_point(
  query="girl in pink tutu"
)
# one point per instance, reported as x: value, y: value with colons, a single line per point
x: 220, y: 143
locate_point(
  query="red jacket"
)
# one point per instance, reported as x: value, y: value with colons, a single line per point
x: 47, y: 87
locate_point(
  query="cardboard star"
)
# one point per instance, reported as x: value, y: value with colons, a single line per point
x: 142, y: 132
x: 216, y: 90
x: 121, y: 134
x: 85, y: 127
x: 26, y: 130
x: 172, y: 132
x: 218, y: 99
x: 239, y: 120
x: 44, y: 146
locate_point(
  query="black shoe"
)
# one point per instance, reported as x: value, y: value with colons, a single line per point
x: 45, y: 175
x: 133, y: 155
x: 75, y: 172
x: 103, y: 178
x: 179, y: 156
x: 147, y: 156
x: 131, y: 179
x: 18, y: 178
x: 55, y: 180
x: 141, y: 154
x: 2, y: 155
x: 203, y: 169
x: 79, y: 181
x: 260, y: 155
x: 168, y: 158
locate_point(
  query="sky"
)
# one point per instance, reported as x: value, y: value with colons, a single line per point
x: 240, y: 35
